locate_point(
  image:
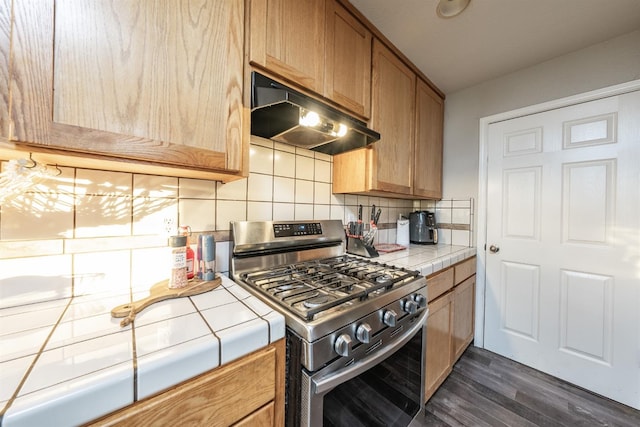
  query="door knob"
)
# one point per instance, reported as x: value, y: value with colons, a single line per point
x: 494, y: 249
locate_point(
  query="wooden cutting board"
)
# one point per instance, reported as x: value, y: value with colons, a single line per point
x: 160, y: 292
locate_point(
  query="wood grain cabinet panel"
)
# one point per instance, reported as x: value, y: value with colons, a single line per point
x: 440, y: 283
x: 288, y: 39
x: 347, y: 61
x: 463, y: 316
x: 392, y: 114
x: 439, y: 344
x: 427, y: 176
x: 385, y: 167
x: 316, y: 44
x: 248, y: 391
x: 450, y: 324
x: 407, y: 160
x: 158, y: 83
x: 464, y: 270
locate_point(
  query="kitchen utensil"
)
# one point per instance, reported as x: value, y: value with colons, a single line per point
x: 377, y: 217
x: 160, y: 292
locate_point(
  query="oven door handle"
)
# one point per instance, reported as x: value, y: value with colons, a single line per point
x: 325, y: 384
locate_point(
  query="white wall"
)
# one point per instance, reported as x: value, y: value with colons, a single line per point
x: 605, y: 64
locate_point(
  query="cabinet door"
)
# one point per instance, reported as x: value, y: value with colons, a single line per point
x: 463, y: 316
x: 439, y: 344
x: 288, y: 39
x: 427, y: 181
x: 157, y: 81
x: 348, y: 61
x: 393, y: 115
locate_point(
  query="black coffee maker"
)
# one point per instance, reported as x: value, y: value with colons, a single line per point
x: 422, y: 228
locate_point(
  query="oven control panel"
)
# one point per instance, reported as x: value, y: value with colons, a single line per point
x: 298, y: 229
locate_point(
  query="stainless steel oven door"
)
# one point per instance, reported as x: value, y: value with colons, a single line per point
x: 383, y: 388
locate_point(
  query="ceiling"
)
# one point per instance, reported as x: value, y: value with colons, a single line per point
x: 492, y: 38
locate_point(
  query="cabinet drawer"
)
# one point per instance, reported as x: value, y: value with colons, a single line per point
x: 439, y: 283
x: 464, y: 270
x: 220, y: 397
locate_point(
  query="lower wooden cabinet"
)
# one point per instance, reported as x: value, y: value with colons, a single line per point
x: 462, y: 316
x: 245, y: 392
x: 450, y: 324
x: 439, y: 344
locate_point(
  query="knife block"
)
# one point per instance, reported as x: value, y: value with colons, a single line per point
x: 356, y: 246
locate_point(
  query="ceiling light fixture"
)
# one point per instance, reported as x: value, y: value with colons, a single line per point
x: 451, y: 8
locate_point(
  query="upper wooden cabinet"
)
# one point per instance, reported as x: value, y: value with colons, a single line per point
x: 385, y: 167
x: 288, y: 39
x: 409, y: 114
x: 157, y: 83
x: 427, y: 176
x: 318, y: 45
x: 347, y: 60
x: 393, y: 115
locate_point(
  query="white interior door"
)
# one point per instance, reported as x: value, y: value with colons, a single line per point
x: 563, y: 214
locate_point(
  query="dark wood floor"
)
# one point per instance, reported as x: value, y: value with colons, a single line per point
x: 485, y: 389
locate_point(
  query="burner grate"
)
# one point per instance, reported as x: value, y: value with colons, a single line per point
x: 313, y: 287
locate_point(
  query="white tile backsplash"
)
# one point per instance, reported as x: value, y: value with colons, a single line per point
x: 284, y: 164
x: 261, y: 160
x: 228, y: 211
x: 197, y: 188
x: 200, y: 215
x: 260, y: 188
x: 33, y: 216
x: 304, y: 191
x: 95, y: 231
x: 304, y: 168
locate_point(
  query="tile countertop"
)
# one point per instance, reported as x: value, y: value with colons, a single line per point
x: 427, y: 259
x: 67, y: 362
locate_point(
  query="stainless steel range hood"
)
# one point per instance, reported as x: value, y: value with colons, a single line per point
x: 284, y: 115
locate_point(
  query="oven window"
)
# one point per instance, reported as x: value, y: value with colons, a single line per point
x: 388, y: 394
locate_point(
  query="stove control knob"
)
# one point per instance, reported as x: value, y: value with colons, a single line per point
x: 410, y: 306
x: 421, y: 300
x: 342, y: 346
x: 363, y: 333
x: 389, y: 318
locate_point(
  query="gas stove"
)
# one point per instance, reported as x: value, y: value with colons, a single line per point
x: 349, y: 321
x: 331, y: 300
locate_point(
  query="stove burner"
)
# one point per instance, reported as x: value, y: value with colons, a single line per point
x: 383, y: 278
x: 317, y: 301
x: 288, y: 287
